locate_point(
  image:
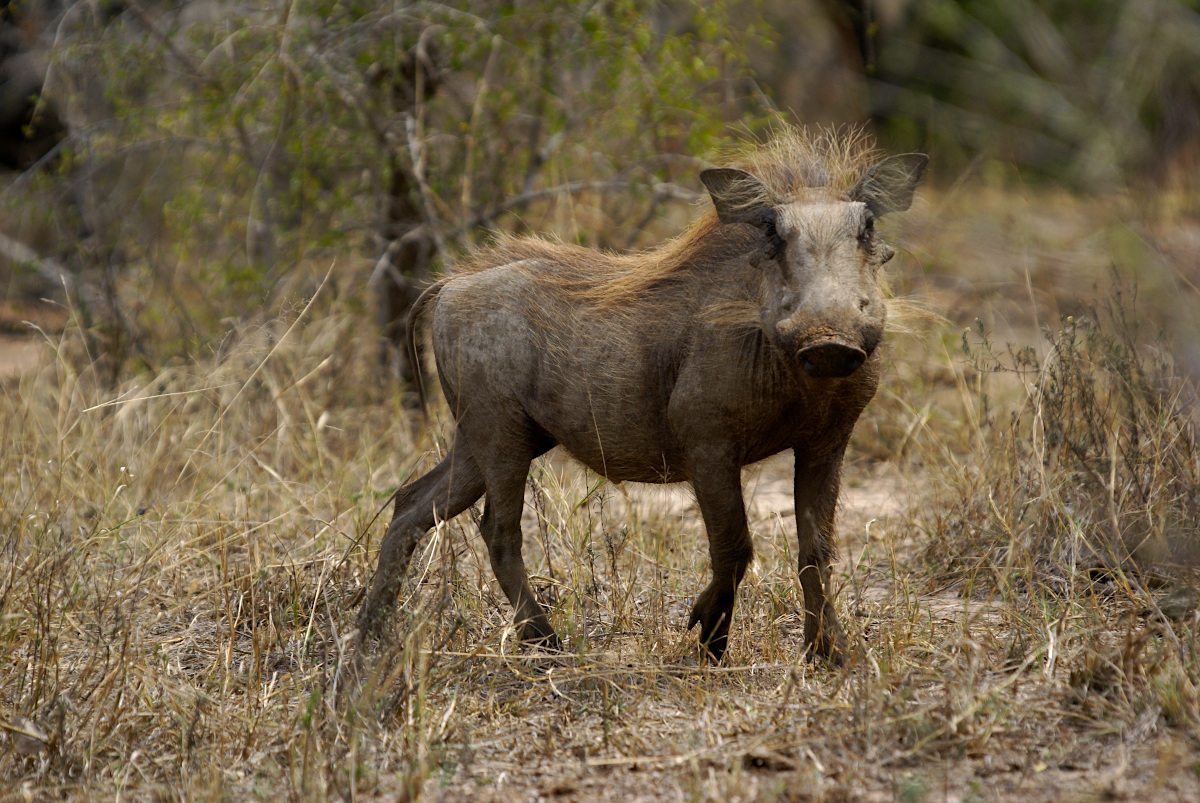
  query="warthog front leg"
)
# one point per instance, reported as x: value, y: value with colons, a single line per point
x: 719, y: 494
x: 451, y: 487
x: 816, y: 491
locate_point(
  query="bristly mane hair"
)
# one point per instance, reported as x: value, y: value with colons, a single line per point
x: 794, y: 165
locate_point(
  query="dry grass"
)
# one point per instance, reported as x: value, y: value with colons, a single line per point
x: 183, y: 556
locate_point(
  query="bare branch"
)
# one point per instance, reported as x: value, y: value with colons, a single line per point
x: 473, y: 127
x: 48, y: 268
x: 417, y: 153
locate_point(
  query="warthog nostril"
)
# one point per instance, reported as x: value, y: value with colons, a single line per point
x: 863, y: 303
x: 831, y: 360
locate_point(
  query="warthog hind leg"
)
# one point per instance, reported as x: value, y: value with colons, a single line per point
x: 451, y: 487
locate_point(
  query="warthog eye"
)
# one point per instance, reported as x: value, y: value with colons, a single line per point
x: 866, y: 237
x: 775, y: 244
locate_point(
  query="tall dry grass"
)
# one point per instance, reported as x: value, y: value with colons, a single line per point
x: 183, y: 555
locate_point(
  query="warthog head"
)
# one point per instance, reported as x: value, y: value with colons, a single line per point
x: 820, y: 259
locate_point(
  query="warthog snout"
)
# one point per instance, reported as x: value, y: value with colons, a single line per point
x: 831, y: 359
x: 831, y: 355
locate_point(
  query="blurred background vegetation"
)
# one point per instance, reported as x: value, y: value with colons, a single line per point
x: 178, y: 171
x: 218, y: 213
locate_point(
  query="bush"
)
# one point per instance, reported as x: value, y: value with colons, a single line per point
x: 1096, y: 469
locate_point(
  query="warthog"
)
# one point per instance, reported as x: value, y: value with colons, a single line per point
x: 753, y: 332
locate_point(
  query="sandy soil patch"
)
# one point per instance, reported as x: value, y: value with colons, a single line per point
x: 17, y: 356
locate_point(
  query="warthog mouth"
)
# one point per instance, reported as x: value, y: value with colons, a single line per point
x: 831, y: 359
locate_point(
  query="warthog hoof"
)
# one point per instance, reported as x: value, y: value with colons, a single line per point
x: 372, y: 619
x: 827, y: 643
x: 537, y: 632
x: 712, y: 611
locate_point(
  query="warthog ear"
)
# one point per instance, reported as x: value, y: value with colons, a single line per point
x: 738, y: 196
x: 889, y: 185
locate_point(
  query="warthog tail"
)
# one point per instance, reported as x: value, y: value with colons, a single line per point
x: 410, y: 339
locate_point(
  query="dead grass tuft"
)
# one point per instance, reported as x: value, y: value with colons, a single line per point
x: 1093, y: 475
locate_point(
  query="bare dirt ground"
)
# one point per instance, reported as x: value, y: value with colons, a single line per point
x: 19, y: 340
x: 18, y: 355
